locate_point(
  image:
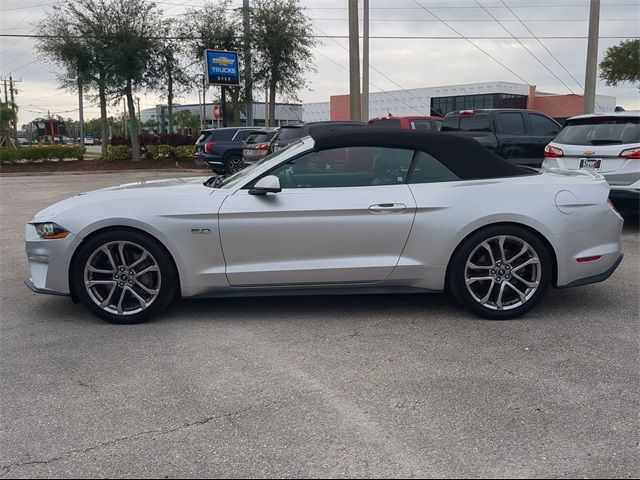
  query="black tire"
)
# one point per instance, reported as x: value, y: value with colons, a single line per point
x: 507, y: 287
x: 167, y: 276
x: 233, y: 164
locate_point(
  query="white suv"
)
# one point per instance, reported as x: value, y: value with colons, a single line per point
x: 605, y: 143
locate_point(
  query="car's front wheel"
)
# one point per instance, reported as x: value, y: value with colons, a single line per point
x: 124, y: 276
x: 500, y: 272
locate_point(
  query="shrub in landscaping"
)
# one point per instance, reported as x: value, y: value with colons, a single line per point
x: 43, y: 153
x: 118, y: 152
x: 185, y: 152
x: 160, y: 152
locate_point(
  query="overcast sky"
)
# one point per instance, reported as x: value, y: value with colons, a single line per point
x: 410, y: 63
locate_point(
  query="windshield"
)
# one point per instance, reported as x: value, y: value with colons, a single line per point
x: 600, y: 131
x: 290, y: 133
x: 236, y: 178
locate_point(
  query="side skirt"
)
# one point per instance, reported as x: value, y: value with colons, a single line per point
x: 287, y: 292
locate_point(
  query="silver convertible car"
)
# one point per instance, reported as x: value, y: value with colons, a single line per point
x: 372, y: 211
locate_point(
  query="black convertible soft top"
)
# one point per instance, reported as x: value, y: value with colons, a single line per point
x: 463, y: 156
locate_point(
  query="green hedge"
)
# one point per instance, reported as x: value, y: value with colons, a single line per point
x: 44, y: 153
x: 167, y: 152
x: 118, y: 152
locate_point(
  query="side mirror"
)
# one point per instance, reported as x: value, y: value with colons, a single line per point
x: 268, y: 184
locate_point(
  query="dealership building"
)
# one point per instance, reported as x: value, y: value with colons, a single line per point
x: 437, y: 101
x: 286, y: 113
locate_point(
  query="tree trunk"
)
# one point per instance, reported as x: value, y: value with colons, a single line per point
x: 133, y: 130
x: 104, y: 123
x: 235, y: 104
x: 272, y: 102
x: 170, y: 95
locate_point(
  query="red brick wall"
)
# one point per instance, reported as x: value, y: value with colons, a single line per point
x: 340, y: 107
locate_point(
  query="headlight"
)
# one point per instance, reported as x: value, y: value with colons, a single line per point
x: 50, y: 230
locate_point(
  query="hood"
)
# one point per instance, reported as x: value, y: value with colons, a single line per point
x: 160, y: 189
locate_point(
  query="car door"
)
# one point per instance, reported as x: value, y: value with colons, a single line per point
x: 512, y: 139
x: 542, y: 130
x: 343, y: 216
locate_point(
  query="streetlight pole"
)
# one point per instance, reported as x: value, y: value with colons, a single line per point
x: 354, y: 62
x: 592, y: 58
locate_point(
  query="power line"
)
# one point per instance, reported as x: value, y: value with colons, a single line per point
x: 481, y: 49
x: 377, y: 37
x: 526, y: 48
x: 388, y: 78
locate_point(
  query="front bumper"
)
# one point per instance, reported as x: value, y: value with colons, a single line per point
x: 49, y: 262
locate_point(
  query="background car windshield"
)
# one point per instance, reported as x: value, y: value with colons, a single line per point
x: 600, y: 131
x: 290, y: 133
x: 259, y: 137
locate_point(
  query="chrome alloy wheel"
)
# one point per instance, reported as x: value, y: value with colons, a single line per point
x: 122, y: 278
x: 503, y: 273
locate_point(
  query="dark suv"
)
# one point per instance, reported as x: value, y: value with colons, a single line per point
x: 221, y: 149
x: 290, y: 133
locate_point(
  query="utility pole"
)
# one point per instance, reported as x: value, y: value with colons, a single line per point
x: 592, y: 58
x: 248, y: 79
x: 365, y: 62
x: 80, y: 112
x: 6, y: 97
x: 13, y: 107
x: 354, y: 62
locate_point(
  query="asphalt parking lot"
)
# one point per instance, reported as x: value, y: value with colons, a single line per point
x: 370, y: 386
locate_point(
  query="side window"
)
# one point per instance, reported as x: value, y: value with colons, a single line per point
x: 224, y: 135
x: 512, y: 123
x: 420, y: 125
x: 428, y: 169
x: 542, y: 125
x: 346, y: 167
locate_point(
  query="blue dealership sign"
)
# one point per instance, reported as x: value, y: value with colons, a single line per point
x: 222, y: 67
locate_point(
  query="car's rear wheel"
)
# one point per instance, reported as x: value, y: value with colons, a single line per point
x: 124, y: 276
x: 234, y: 164
x: 500, y: 272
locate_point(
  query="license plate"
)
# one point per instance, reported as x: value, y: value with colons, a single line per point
x: 590, y: 163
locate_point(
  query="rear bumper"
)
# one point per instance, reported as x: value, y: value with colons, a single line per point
x: 215, y: 163
x: 602, y: 241
x: 601, y: 277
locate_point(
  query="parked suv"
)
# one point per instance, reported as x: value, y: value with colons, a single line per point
x: 430, y: 124
x: 519, y: 136
x: 221, y: 149
x: 605, y: 143
x: 291, y: 133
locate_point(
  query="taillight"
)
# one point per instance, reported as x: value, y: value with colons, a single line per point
x: 263, y: 147
x: 553, y: 152
x: 466, y: 113
x: 208, y: 147
x: 631, y: 153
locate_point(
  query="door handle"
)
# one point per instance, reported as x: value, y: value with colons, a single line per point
x: 388, y: 208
